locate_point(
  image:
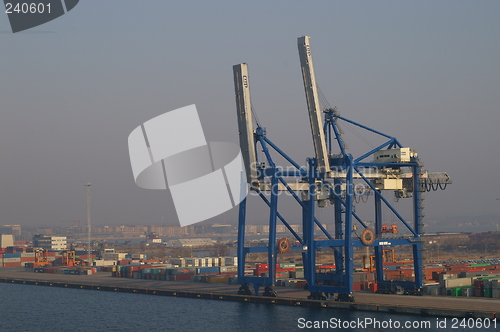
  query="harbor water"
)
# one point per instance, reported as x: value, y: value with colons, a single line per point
x: 39, y: 308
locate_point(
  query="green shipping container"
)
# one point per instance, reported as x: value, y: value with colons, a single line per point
x: 487, y: 292
x: 457, y: 291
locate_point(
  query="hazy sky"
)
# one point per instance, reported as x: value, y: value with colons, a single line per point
x: 72, y: 90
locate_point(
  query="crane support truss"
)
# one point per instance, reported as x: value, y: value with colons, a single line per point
x: 393, y: 168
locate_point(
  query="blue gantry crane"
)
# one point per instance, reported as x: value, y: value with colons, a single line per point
x: 334, y: 178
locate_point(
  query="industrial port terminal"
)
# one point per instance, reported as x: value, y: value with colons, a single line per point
x: 332, y: 178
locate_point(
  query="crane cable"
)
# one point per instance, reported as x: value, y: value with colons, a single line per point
x: 325, y: 102
x: 254, y: 115
x: 326, y: 105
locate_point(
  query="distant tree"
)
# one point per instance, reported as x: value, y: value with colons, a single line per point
x: 220, y: 250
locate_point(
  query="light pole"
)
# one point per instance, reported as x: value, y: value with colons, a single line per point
x: 89, y: 250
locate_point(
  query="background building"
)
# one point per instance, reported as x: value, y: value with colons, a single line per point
x: 14, y: 230
x: 49, y: 242
x: 6, y: 240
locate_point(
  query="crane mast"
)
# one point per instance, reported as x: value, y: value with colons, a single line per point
x: 245, y: 121
x: 313, y: 105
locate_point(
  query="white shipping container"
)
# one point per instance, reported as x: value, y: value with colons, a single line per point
x: 109, y: 263
x: 230, y: 261
x: 215, y: 261
x: 231, y: 269
x: 27, y: 254
x: 192, y: 261
x: 446, y: 276
x: 137, y: 256
x: 178, y: 261
x: 98, y: 262
x: 459, y: 282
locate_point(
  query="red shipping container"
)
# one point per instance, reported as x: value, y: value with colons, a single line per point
x: 13, y: 264
x: 132, y: 269
x: 300, y: 283
x: 478, y: 288
x: 181, y: 277
x: 357, y: 286
x: 27, y: 259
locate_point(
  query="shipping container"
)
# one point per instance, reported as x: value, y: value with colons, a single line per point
x: 458, y: 282
x: 205, y: 270
x: 11, y: 264
x: 28, y: 259
x: 467, y: 291
x: 217, y: 279
x: 478, y: 288
x: 181, y: 277
x: 12, y: 260
x: 12, y: 255
x: 457, y: 291
x: 434, y: 291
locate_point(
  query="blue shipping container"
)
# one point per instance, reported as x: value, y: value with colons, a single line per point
x: 12, y: 255
x: 211, y: 269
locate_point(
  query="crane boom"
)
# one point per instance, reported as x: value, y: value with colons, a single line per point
x: 315, y: 113
x: 245, y: 121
